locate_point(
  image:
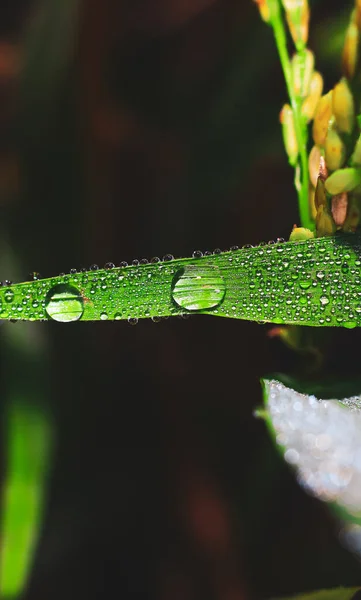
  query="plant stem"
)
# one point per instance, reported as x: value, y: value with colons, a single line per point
x: 300, y: 127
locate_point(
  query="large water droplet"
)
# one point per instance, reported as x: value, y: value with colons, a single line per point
x: 64, y: 303
x: 198, y: 287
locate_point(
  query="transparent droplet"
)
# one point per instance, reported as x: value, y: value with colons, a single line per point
x: 305, y: 284
x: 198, y: 287
x: 64, y: 303
x: 132, y: 321
x: 104, y: 316
x: 9, y: 295
x: 324, y: 300
x: 197, y: 254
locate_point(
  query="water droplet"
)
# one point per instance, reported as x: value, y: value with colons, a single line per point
x: 217, y: 251
x: 168, y: 257
x: 135, y: 262
x: 109, y: 265
x: 155, y: 259
x: 34, y: 276
x: 156, y: 319
x: 123, y: 264
x: 197, y: 254
x: 198, y: 287
x: 235, y: 248
x: 64, y: 303
x: 305, y: 284
x: 104, y: 316
x: 117, y: 316
x: 207, y: 253
x: 144, y: 261
x: 324, y: 300
x: 73, y: 271
x: 94, y: 267
x: 9, y: 296
x: 132, y: 321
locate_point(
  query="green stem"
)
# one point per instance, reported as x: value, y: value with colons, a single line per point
x: 301, y: 131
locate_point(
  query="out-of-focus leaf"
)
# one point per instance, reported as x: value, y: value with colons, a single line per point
x: 335, y: 594
x: 28, y: 446
x: 321, y: 440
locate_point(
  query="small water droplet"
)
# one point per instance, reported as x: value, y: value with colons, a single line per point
x: 135, y: 262
x: 324, y: 300
x: 144, y: 261
x: 197, y: 254
x: 168, y: 257
x: 217, y: 251
x: 198, y: 287
x: 94, y: 267
x: 132, y: 321
x: 73, y: 271
x: 156, y: 319
x: 305, y: 284
x: 235, y: 248
x: 155, y: 259
x: 34, y: 276
x: 117, y: 316
x: 104, y: 316
x: 123, y: 264
x: 9, y: 296
x: 109, y: 265
x: 64, y: 303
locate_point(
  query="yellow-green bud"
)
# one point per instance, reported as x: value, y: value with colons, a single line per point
x: 343, y: 106
x: 298, y: 16
x: 356, y: 155
x: 350, y: 50
x: 302, y: 69
x: 264, y: 10
x: 289, y: 133
x: 310, y: 103
x: 301, y: 233
x: 322, y: 118
x: 335, y: 151
x: 343, y: 180
x: 314, y: 164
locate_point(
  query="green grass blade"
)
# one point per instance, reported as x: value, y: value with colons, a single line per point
x: 314, y: 282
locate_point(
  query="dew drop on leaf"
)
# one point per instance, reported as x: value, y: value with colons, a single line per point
x: 198, y: 288
x: 9, y: 296
x: 64, y: 303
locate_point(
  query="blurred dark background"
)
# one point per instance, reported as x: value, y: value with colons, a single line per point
x: 128, y: 129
